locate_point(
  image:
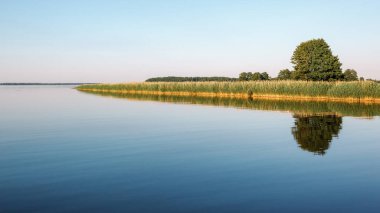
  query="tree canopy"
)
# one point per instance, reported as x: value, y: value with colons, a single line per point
x: 313, y: 60
x: 284, y: 74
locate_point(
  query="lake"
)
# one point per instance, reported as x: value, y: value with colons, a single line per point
x: 68, y: 151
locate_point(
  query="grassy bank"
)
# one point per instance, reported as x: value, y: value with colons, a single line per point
x: 291, y: 90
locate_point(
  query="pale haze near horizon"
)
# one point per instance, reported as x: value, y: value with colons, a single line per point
x: 123, y: 41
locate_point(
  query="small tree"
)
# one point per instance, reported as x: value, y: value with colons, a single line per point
x: 256, y: 76
x: 350, y: 75
x: 313, y: 60
x: 243, y: 76
x: 265, y: 76
x: 284, y: 74
x: 249, y: 76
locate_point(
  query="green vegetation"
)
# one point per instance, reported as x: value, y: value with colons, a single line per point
x: 354, y: 90
x: 313, y: 60
x: 249, y: 76
x: 284, y: 74
x: 189, y: 79
x: 350, y: 75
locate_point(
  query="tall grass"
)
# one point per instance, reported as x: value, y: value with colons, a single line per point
x: 285, y: 88
x: 360, y: 89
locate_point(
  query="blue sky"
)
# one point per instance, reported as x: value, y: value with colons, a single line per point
x: 117, y: 41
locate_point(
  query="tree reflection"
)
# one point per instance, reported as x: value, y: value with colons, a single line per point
x: 314, y: 133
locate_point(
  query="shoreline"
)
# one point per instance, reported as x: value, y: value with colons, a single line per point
x: 240, y: 96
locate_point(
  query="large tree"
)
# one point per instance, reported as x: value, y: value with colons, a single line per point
x: 313, y: 60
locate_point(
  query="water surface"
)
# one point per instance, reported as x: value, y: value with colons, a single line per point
x: 64, y: 150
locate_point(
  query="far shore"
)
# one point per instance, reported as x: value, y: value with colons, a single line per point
x: 42, y: 84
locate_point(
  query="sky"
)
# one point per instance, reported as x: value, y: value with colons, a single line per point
x: 125, y: 41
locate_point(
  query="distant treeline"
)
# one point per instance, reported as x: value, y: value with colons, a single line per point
x: 191, y: 79
x: 26, y: 84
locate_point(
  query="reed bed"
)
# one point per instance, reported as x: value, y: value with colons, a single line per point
x: 350, y: 91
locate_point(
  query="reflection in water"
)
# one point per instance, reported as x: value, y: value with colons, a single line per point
x: 299, y: 107
x: 314, y: 133
x: 316, y: 123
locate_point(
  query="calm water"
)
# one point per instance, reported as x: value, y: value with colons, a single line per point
x: 62, y: 150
